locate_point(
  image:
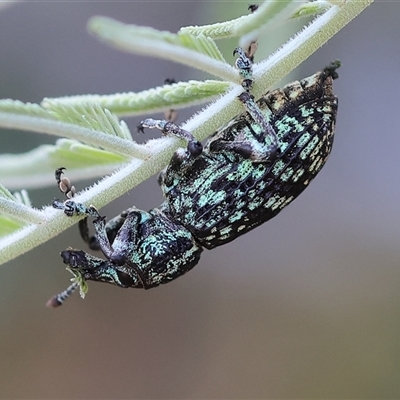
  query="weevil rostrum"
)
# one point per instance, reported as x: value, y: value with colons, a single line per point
x: 245, y: 175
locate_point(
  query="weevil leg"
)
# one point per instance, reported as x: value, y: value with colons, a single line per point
x: 330, y: 70
x: 244, y: 64
x: 263, y: 132
x: 105, y: 232
x: 126, y: 232
x: 167, y: 128
x: 112, y: 227
x: 252, y: 46
x: 122, y: 247
x: 170, y: 115
x: 72, y: 208
x: 263, y: 128
x: 120, y: 252
x: 64, y: 183
x: 253, y: 137
x: 69, y: 206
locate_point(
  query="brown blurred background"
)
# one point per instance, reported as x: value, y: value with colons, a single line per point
x: 306, y: 306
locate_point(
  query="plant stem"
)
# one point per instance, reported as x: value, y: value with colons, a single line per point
x: 202, y: 125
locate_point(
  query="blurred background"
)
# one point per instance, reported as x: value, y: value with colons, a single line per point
x: 306, y: 306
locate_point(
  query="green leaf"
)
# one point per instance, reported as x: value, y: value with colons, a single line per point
x: 23, y: 198
x: 31, y: 169
x: 219, y: 30
x: 18, y: 107
x: 4, y: 192
x: 79, y: 154
x: 267, y: 13
x: 15, y: 211
x: 88, y: 123
x: 196, y: 51
x: 311, y: 9
x: 9, y: 225
x: 117, y: 34
x: 177, y: 95
x: 88, y: 115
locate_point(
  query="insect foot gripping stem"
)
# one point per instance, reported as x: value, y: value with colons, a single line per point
x: 246, y: 174
x: 194, y: 147
x: 244, y: 65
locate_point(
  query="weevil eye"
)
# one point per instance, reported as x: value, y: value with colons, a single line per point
x: 124, y: 279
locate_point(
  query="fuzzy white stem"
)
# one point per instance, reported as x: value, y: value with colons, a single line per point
x: 203, y: 124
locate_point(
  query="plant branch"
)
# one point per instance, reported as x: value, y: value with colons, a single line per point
x: 158, y: 152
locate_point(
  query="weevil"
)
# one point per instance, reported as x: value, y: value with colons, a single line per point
x: 245, y: 175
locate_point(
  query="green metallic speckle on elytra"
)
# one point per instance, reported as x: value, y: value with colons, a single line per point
x: 245, y: 175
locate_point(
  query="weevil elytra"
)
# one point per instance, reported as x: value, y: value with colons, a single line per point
x: 245, y: 175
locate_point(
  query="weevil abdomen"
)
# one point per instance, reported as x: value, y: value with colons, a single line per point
x: 221, y: 194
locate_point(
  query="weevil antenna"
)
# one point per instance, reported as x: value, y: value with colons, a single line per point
x: 58, y: 299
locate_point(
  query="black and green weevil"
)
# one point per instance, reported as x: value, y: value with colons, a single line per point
x: 245, y: 175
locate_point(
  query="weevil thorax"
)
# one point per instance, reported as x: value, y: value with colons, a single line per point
x: 221, y: 195
x: 164, y: 249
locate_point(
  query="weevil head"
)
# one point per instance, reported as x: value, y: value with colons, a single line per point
x: 96, y: 269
